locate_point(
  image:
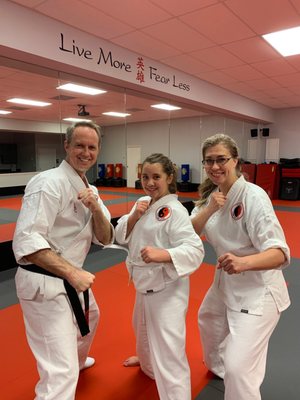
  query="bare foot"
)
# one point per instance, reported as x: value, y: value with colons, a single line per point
x: 132, y: 361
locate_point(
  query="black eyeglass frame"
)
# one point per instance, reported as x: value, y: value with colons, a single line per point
x: 209, y: 162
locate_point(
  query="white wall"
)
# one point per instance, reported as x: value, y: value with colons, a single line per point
x: 180, y: 139
x: 287, y: 129
x: 185, y: 145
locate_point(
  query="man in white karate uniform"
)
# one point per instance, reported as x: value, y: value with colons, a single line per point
x: 61, y: 216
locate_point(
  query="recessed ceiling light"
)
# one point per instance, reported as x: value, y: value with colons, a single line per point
x: 3, y: 112
x: 116, y: 114
x: 76, y: 119
x: 167, y: 107
x: 29, y: 102
x: 72, y: 87
x: 286, y: 42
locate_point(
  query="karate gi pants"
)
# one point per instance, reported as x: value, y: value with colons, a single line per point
x: 159, y: 325
x: 235, y: 344
x: 56, y: 343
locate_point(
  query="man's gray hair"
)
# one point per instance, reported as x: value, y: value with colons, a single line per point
x: 89, y: 124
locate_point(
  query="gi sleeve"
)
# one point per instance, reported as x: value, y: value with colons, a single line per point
x: 186, y: 251
x: 106, y: 215
x: 121, y: 228
x: 36, y: 218
x: 263, y: 226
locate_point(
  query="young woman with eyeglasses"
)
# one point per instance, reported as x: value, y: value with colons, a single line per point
x: 243, y: 306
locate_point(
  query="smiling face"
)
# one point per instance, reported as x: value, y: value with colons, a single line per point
x: 221, y: 175
x: 83, y: 150
x: 155, y: 181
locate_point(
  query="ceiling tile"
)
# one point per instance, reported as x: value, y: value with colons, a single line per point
x: 187, y: 64
x: 262, y: 84
x: 85, y: 17
x: 265, y: 16
x: 28, y: 3
x: 274, y: 67
x: 217, y: 77
x: 179, y: 7
x: 145, y: 45
x: 218, y: 23
x: 243, y: 73
x: 279, y: 92
x: 294, y: 61
x: 187, y: 39
x: 252, y: 50
x: 288, y: 81
x: 217, y: 57
x: 296, y: 4
x: 142, y: 13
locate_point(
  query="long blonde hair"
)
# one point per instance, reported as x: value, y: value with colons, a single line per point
x: 207, y: 186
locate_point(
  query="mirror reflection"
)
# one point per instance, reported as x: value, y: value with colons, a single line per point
x: 133, y: 125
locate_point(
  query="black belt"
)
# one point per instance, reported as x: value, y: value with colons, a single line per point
x: 81, y: 317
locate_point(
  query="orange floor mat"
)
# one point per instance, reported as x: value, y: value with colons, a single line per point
x: 7, y: 231
x: 13, y: 203
x: 286, y: 203
x: 290, y: 223
x: 108, y: 379
x: 117, y: 210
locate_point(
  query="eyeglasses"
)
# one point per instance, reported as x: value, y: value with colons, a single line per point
x: 209, y: 162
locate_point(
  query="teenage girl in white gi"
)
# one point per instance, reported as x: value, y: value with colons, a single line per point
x: 163, y: 250
x: 244, y: 303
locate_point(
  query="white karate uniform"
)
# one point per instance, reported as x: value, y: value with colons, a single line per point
x: 240, y: 311
x: 162, y: 292
x: 52, y: 217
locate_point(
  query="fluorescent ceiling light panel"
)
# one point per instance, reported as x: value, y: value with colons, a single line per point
x: 116, y: 114
x: 286, y: 42
x: 3, y: 112
x: 166, y: 107
x: 76, y: 119
x: 72, y: 87
x: 29, y: 102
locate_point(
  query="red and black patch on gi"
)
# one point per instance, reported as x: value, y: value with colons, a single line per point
x: 237, y: 211
x: 163, y: 213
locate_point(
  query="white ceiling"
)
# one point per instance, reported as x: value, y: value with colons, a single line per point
x: 218, y: 41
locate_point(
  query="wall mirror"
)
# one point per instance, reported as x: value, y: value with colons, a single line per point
x: 32, y: 137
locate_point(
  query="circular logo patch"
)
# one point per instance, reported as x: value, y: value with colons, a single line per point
x: 163, y: 213
x: 237, y: 211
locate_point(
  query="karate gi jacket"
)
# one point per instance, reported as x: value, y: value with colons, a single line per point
x: 52, y: 217
x: 166, y: 224
x: 245, y: 225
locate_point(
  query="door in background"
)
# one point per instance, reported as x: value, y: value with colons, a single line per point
x: 133, y: 159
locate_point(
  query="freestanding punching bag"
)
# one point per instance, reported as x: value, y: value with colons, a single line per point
x: 185, y: 172
x: 184, y: 185
x: 138, y: 184
x: 109, y: 174
x: 139, y: 170
x: 101, y: 171
x: 119, y: 170
x: 118, y: 181
x: 109, y: 171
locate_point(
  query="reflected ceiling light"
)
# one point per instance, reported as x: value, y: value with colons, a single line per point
x: 167, y: 107
x: 4, y: 112
x: 77, y: 119
x: 72, y: 87
x: 286, y: 42
x: 29, y: 102
x: 116, y: 114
